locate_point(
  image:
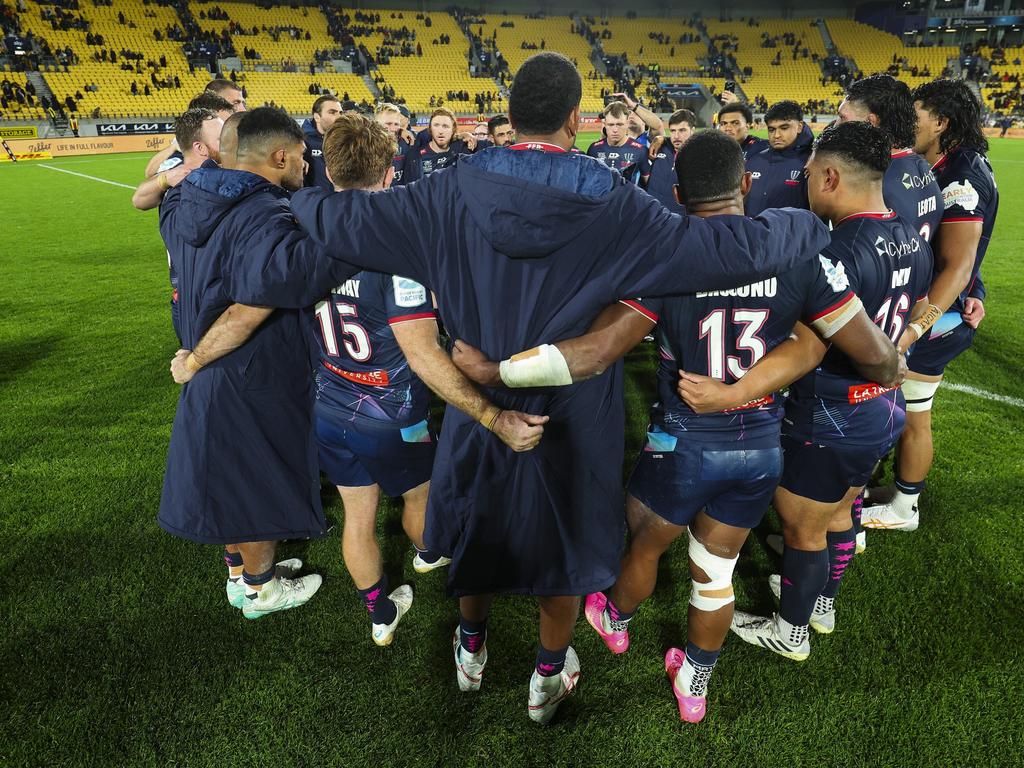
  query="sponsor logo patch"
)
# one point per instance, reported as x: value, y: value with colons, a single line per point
x: 835, y: 274
x: 961, y: 194
x: 408, y: 293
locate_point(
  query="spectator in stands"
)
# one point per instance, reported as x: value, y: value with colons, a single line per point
x: 326, y: 110
x: 777, y: 173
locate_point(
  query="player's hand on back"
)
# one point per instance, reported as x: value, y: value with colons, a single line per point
x: 519, y: 431
x: 407, y: 136
x: 655, y: 147
x: 706, y: 395
x: 475, y: 365
x: 974, y: 312
x: 179, y: 369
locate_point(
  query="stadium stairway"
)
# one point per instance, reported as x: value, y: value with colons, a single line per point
x: 372, y: 86
x: 830, y: 45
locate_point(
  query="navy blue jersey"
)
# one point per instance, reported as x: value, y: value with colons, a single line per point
x: 172, y: 271
x: 630, y: 159
x: 362, y: 372
x: 752, y: 145
x: 969, y: 193
x: 425, y: 160
x: 398, y: 161
x: 661, y: 185
x: 316, y: 166
x: 910, y: 189
x: 889, y: 266
x: 722, y: 334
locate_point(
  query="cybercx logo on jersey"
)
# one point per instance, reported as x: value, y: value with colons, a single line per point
x: 884, y: 247
x: 317, y: 153
x: 913, y: 181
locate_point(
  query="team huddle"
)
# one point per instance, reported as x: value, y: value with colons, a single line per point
x: 327, y: 278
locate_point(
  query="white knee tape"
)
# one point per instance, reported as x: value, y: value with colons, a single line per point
x: 717, y: 593
x: 919, y: 394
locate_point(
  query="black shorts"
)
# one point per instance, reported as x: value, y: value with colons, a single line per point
x: 825, y: 473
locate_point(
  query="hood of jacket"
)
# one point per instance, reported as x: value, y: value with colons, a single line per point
x: 529, y: 204
x: 208, y: 194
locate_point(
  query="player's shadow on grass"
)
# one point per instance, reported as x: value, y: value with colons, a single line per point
x: 22, y: 354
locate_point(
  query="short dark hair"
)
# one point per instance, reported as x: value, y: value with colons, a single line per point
x: 545, y: 91
x: 263, y: 125
x: 189, y: 125
x: 890, y: 100
x: 220, y: 84
x: 737, y: 106
x: 858, y: 144
x: 496, y: 122
x: 683, y: 116
x: 709, y: 166
x: 212, y: 101
x: 953, y: 100
x: 318, y: 105
x: 784, y: 110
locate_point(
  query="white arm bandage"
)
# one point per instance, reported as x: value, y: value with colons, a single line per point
x: 542, y: 366
x: 835, y: 321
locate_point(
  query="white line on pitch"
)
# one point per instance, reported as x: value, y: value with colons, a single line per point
x: 86, y: 176
x: 967, y: 390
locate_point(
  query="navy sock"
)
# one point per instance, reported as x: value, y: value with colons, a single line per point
x: 550, y: 663
x: 472, y: 634
x: 907, y: 487
x: 232, y: 559
x: 380, y: 608
x: 427, y: 555
x: 257, y: 580
x: 618, y: 620
x: 855, y: 513
x: 841, y: 548
x: 803, y: 577
x: 700, y: 657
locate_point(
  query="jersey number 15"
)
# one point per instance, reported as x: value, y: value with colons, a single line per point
x: 356, y: 340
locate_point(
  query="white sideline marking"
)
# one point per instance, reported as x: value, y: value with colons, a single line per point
x: 967, y: 390
x: 86, y: 176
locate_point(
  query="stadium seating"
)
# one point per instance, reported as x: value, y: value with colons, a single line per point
x: 556, y: 34
x: 878, y: 51
x: 435, y: 62
x: 797, y: 78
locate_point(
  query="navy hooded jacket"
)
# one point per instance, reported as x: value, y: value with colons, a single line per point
x: 778, y: 176
x: 523, y: 248
x: 316, y: 172
x: 242, y: 462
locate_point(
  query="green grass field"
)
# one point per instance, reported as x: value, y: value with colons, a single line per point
x: 118, y: 647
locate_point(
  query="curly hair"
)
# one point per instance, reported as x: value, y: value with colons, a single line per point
x: 953, y: 100
x: 861, y: 145
x: 889, y: 99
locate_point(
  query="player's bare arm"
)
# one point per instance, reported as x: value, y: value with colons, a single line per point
x: 954, y: 261
x: 796, y: 356
x: 920, y: 314
x: 651, y: 120
x: 616, y: 330
x: 428, y: 360
x: 150, y: 192
x: 228, y: 332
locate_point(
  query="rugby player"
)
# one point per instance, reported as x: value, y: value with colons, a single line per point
x: 500, y: 130
x: 326, y: 109
x: 838, y: 423
x: 441, y: 150
x: 391, y: 117
x: 198, y: 131
x: 219, y: 86
x: 662, y: 183
x: 949, y: 136
x: 719, y: 463
x: 371, y: 410
x: 617, y: 150
x: 778, y: 171
x: 734, y: 120
x: 520, y: 246
x: 241, y: 468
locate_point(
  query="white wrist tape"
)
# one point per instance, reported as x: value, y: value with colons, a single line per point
x: 542, y: 366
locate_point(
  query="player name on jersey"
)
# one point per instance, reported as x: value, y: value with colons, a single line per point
x: 761, y: 289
